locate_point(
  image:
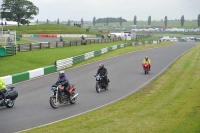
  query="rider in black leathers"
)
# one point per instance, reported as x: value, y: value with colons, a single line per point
x: 103, y: 73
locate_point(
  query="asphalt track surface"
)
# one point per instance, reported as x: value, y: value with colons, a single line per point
x: 32, y: 107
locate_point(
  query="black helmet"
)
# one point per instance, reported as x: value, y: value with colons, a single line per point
x: 61, y: 74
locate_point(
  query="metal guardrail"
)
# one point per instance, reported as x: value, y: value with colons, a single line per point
x: 47, y: 45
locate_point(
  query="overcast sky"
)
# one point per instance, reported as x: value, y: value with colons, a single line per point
x: 87, y: 9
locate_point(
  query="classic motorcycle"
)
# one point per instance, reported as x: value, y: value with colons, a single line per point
x: 145, y: 67
x: 59, y: 96
x: 11, y: 96
x: 100, y: 84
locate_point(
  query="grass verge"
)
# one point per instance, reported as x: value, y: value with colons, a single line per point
x: 170, y: 104
x: 24, y: 41
x: 25, y: 61
x: 49, y: 29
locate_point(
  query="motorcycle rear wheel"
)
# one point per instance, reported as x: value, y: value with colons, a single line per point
x: 73, y: 101
x: 10, y: 104
x: 54, y: 104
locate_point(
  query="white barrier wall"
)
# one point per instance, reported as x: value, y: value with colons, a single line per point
x: 155, y: 42
x: 7, y: 80
x: 36, y: 73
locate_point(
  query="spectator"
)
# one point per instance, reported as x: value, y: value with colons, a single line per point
x: 109, y: 35
x: 102, y: 36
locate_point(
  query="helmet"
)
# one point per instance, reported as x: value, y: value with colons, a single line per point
x: 61, y: 74
x: 101, y: 65
x: 146, y: 57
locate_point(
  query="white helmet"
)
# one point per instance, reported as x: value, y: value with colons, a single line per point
x: 61, y: 74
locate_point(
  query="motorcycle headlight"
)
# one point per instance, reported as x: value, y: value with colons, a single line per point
x: 52, y: 88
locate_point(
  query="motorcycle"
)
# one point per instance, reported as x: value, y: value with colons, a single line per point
x: 11, y: 96
x: 100, y: 83
x: 59, y: 96
x: 145, y: 67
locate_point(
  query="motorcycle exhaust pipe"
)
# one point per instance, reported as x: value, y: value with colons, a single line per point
x: 75, y: 96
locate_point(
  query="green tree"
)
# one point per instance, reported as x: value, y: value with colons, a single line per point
x: 135, y: 20
x: 47, y: 21
x: 68, y: 23
x: 149, y: 20
x: 82, y: 22
x: 110, y: 20
x: 198, y: 20
x: 120, y: 21
x: 107, y: 21
x: 165, y: 22
x: 94, y: 21
x: 182, y: 20
x: 18, y: 10
x: 58, y: 21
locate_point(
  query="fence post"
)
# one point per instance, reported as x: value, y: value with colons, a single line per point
x: 63, y: 43
x: 30, y: 46
x: 76, y: 43
x: 15, y: 49
x: 49, y: 45
x: 56, y: 44
x: 40, y: 45
x: 90, y: 41
x: 94, y: 41
x: 19, y: 47
x: 70, y: 43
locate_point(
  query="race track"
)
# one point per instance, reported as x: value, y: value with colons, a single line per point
x: 32, y: 107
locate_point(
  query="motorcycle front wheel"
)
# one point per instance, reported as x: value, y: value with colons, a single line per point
x: 10, y: 104
x: 54, y: 104
x: 98, y: 89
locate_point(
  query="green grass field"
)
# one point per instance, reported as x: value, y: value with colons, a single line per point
x: 49, y: 29
x: 24, y: 41
x: 170, y: 104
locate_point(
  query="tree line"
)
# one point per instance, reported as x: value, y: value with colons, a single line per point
x: 22, y: 11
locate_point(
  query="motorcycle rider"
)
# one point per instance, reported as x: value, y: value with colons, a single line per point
x: 63, y: 80
x: 3, y: 89
x: 146, y: 59
x: 103, y: 73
